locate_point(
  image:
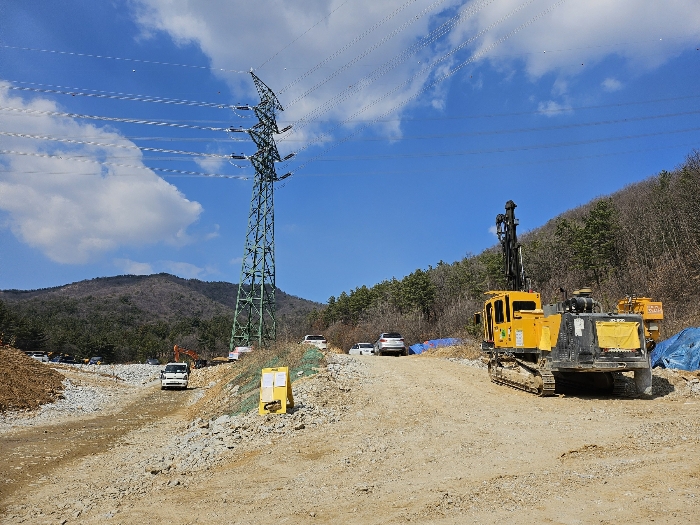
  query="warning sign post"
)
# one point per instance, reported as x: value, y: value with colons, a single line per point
x: 275, y: 391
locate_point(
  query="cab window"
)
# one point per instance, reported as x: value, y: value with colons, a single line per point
x: 524, y: 305
x: 500, y: 318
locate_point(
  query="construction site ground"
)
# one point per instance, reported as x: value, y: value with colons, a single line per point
x: 371, y: 440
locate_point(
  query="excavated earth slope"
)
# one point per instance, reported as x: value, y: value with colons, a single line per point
x: 25, y: 382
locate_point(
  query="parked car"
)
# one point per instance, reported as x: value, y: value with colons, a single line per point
x: 97, y: 360
x: 152, y: 361
x: 390, y: 343
x: 317, y: 340
x: 361, y: 349
x: 175, y: 375
x: 65, y: 359
x: 39, y: 356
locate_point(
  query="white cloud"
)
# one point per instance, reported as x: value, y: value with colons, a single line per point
x: 238, y: 35
x: 611, y: 84
x: 75, y: 212
x: 575, y: 35
x: 214, y: 234
x: 551, y: 108
x: 183, y: 269
x: 307, y: 69
x: 130, y: 267
x: 493, y: 230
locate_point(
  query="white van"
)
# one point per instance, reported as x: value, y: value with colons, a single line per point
x: 175, y: 375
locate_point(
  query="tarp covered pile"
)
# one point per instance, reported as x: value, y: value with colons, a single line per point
x: 681, y: 351
x: 419, y: 348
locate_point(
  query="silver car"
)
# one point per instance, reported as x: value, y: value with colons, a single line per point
x: 361, y: 349
x: 390, y: 343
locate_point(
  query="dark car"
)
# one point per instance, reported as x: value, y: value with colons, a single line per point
x: 152, y: 361
x: 97, y: 360
x: 67, y: 359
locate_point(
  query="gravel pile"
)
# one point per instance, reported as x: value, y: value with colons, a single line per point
x: 81, y: 399
x: 132, y: 374
x: 317, y: 401
x: 474, y: 363
x: 74, y: 401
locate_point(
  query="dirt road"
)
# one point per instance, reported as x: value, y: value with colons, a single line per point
x: 409, y: 440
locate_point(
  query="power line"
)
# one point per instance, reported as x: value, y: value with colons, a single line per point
x: 110, y: 119
x: 111, y: 145
x: 442, y: 170
x: 527, y: 130
x: 422, y: 72
x: 509, y: 149
x: 347, y: 46
x: 443, y: 77
x: 625, y: 120
x: 130, y: 166
x: 96, y: 93
x: 123, y: 59
x: 301, y: 35
x: 387, y: 66
x: 369, y: 50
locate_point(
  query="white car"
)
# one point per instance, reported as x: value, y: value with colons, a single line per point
x: 175, y: 375
x: 39, y: 356
x: 317, y: 340
x: 390, y: 343
x: 361, y: 349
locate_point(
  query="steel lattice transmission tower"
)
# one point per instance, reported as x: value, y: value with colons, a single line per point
x: 254, y: 320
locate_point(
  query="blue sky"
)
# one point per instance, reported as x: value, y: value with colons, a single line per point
x: 414, y: 122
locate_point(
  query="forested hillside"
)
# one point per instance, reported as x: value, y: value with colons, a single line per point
x: 642, y: 240
x: 130, y: 318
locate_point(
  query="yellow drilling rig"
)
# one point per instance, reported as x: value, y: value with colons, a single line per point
x: 570, y: 343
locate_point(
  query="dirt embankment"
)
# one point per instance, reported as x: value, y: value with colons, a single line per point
x: 26, y: 383
x: 385, y: 440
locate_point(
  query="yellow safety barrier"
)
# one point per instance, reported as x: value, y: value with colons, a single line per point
x: 275, y: 391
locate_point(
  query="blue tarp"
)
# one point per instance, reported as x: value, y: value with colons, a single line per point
x: 419, y: 348
x: 681, y: 351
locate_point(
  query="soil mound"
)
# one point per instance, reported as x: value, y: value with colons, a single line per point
x: 465, y: 351
x: 26, y: 383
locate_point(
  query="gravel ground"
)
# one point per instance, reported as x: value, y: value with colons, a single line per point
x: 136, y: 375
x: 204, y: 443
x: 382, y: 440
x: 87, y: 390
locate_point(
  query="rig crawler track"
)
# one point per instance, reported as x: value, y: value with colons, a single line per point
x: 518, y: 374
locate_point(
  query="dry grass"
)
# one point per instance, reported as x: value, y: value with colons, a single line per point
x: 244, y: 374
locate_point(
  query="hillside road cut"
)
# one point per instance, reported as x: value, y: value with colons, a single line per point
x: 380, y: 440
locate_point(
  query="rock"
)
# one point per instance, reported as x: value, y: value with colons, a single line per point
x: 300, y: 426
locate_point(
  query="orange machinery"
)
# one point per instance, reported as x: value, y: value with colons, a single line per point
x: 196, y: 361
x: 652, y: 313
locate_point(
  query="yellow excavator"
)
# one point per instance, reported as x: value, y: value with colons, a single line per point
x: 572, y: 343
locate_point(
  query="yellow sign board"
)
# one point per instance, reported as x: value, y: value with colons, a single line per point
x: 618, y: 336
x: 275, y: 391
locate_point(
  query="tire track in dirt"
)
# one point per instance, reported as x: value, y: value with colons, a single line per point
x: 32, y: 454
